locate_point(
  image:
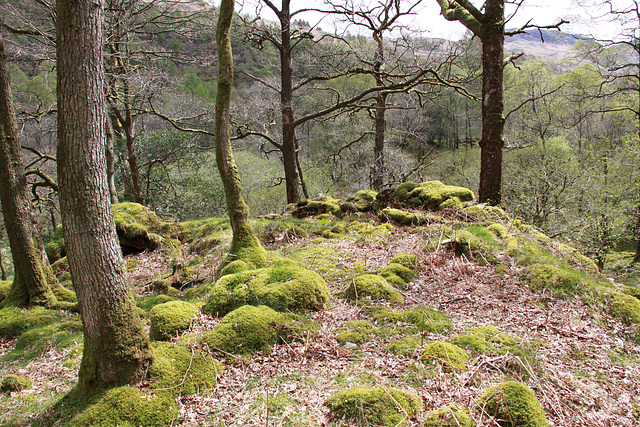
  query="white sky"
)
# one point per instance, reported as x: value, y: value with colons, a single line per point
x: 542, y: 12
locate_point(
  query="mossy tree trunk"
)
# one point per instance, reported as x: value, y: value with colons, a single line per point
x: 243, y: 236
x: 32, y: 284
x: 116, y: 348
x: 488, y: 26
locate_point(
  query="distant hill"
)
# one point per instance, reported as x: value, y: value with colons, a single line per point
x: 550, y: 45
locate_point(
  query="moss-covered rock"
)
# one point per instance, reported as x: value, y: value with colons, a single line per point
x: 448, y: 416
x: 128, y: 407
x: 372, y: 286
x: 625, y: 307
x: 403, y: 217
x: 424, y: 318
x: 513, y: 404
x: 449, y: 356
x: 318, y: 206
x: 204, y: 235
x: 355, y: 331
x: 55, y: 248
x: 170, y: 319
x: 362, y: 201
x: 633, y: 291
x: 398, y: 275
x: 137, y: 227
x: 286, y: 286
x: 463, y: 242
x: 430, y: 195
x: 249, y: 329
x: 14, y: 321
x: 406, y: 259
x: 380, y: 406
x: 178, y: 370
x: 12, y: 383
x: 337, y: 231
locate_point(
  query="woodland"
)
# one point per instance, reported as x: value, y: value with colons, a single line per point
x: 211, y: 217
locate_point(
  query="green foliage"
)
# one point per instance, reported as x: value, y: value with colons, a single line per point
x: 448, y: 416
x: 373, y: 286
x: 406, y: 259
x: 562, y: 281
x: 404, y: 346
x: 249, y: 329
x: 178, y: 370
x: 404, y: 217
x: 171, y: 318
x: 513, y: 404
x: 383, y: 406
x: 14, y: 383
x: 449, y: 356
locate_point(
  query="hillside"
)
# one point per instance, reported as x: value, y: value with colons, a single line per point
x: 520, y: 306
x: 552, y: 46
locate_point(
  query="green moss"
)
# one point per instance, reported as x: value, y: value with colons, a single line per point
x: 367, y: 232
x: 449, y: 356
x: 286, y: 286
x: 498, y: 229
x: 464, y: 242
x: 493, y: 335
x: 633, y: 291
x: 61, y: 266
x: 404, y: 346
x: 136, y: 226
x: 355, y: 331
x: 249, y: 329
x: 424, y: 318
x: 205, y: 234
x: 562, y: 281
x: 472, y: 343
x: 431, y: 195
x: 373, y: 286
x: 448, y: 416
x: 406, y: 259
x: 14, y: 383
x: 128, y: 407
x: 513, y: 404
x: 5, y: 286
x: 625, y: 307
x: 362, y: 201
x: 179, y: 370
x: 55, y: 250
x: 337, y: 231
x: 318, y: 206
x: 146, y: 303
x: 36, y: 341
x: 380, y: 406
x: 398, y: 275
x: 14, y: 321
x: 170, y: 319
x: 403, y: 217
x: 172, y: 248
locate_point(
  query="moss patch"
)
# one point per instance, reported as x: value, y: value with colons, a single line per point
x: 249, y: 329
x: 380, y: 406
x: 406, y: 259
x: 562, y: 281
x: 373, y: 286
x: 429, y: 195
x: 403, y: 217
x: 355, y: 331
x: 448, y: 416
x: 170, y: 319
x: 404, y: 346
x: 625, y: 307
x: 5, y: 286
x: 483, y: 339
x: 136, y: 226
x: 362, y: 201
x: 178, y: 370
x: 398, y: 275
x: 513, y: 404
x: 449, y: 356
x: 37, y: 340
x: 318, y: 206
x: 14, y: 321
x: 424, y: 318
x: 286, y: 286
x: 12, y: 383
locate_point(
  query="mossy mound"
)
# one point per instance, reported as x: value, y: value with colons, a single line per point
x: 406, y: 259
x: 449, y: 356
x: 136, y: 226
x: 12, y: 383
x: 463, y: 242
x: 424, y: 318
x: 204, y: 235
x: 483, y: 339
x: 178, y: 370
x: 372, y: 286
x: 380, y: 406
x: 448, y: 416
x: 398, y: 275
x: 318, y: 206
x: 169, y: 319
x: 128, y: 407
x: 286, y: 286
x: 249, y: 329
x: 633, y: 291
x: 625, y: 307
x: 403, y: 217
x: 362, y: 201
x: 513, y: 404
x: 404, y: 346
x: 355, y: 331
x: 5, y: 286
x: 562, y: 281
x: 148, y: 302
x: 35, y: 341
x: 429, y: 195
x: 14, y: 321
x: 337, y: 231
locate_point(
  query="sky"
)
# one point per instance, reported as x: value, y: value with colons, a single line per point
x: 428, y: 18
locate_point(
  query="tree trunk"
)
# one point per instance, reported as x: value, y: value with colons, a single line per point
x: 377, y: 170
x: 33, y: 276
x: 491, y: 144
x: 111, y: 164
x: 243, y: 237
x: 129, y: 131
x: 116, y: 349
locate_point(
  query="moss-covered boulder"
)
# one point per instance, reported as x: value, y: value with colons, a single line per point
x: 170, y: 319
x: 449, y: 356
x: 178, y: 370
x: 448, y: 416
x: 625, y: 307
x: 372, y: 286
x: 463, y: 242
x: 513, y: 404
x: 249, y: 329
x: 318, y: 206
x: 379, y: 406
x: 429, y: 195
x: 128, y: 407
x: 12, y: 383
x: 398, y: 275
x: 403, y: 217
x: 424, y: 318
x: 286, y: 286
x: 137, y: 227
x: 35, y: 341
x: 355, y: 332
x: 362, y: 201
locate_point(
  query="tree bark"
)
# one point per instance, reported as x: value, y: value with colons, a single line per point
x: 377, y: 170
x: 116, y: 349
x: 33, y: 280
x: 243, y: 236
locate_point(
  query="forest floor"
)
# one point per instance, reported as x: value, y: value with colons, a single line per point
x: 579, y: 361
